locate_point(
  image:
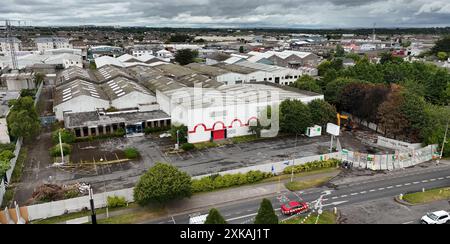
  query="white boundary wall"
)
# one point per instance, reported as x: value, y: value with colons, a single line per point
x: 397, y: 145
x: 10, y: 171
x: 366, y: 161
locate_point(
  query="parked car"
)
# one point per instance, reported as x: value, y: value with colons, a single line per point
x: 294, y: 208
x: 197, y: 219
x: 438, y: 217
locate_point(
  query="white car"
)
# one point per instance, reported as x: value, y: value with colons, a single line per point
x: 197, y: 219
x: 438, y: 217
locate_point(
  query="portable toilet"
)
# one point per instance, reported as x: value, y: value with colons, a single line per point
x: 314, y: 131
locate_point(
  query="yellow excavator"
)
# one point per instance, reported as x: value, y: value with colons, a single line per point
x: 348, y: 125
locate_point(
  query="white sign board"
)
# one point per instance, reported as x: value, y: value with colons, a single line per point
x: 333, y: 129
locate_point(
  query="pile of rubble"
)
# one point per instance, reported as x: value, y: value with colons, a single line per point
x: 52, y: 192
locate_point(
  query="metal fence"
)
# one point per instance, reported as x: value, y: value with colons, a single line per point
x: 399, y: 160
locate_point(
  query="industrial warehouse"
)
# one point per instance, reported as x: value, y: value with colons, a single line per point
x: 214, y: 102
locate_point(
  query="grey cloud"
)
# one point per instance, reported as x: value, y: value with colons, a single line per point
x: 264, y: 13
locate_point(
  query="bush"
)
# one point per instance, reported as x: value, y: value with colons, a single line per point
x: 66, y: 136
x: 71, y: 194
x: 131, y: 153
x: 311, y: 166
x: 55, y: 151
x: 116, y: 202
x: 214, y: 182
x: 187, y: 147
x: 149, y: 130
x: 162, y: 183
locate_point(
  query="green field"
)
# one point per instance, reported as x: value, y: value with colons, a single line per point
x: 327, y: 217
x: 428, y: 196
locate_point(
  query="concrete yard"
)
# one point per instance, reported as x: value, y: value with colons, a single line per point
x: 38, y: 168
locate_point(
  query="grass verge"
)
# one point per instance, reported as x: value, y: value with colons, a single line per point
x: 428, y: 196
x: 327, y: 217
x: 301, y: 185
x: 204, y: 145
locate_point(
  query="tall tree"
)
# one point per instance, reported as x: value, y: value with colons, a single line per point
x: 391, y: 117
x: 295, y: 117
x: 442, y: 45
x: 23, y: 120
x: 186, y: 56
x: 161, y: 184
x: 307, y: 83
x: 215, y: 218
x: 322, y: 112
x: 266, y: 214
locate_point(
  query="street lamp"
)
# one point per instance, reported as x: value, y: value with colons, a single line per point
x: 178, y: 140
x: 444, y: 141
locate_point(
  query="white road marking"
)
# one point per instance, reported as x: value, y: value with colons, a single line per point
x: 334, y: 198
x: 372, y: 190
x: 407, y: 184
x: 354, y: 194
x: 416, y: 182
x: 363, y: 192
x: 409, y: 222
x: 432, y: 180
x: 398, y: 185
x: 389, y: 187
x: 424, y: 181
x: 248, y: 215
x: 448, y: 177
x: 380, y: 189
x: 441, y: 178
x: 344, y: 196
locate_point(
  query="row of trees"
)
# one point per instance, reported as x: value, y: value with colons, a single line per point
x: 407, y: 99
x: 23, y: 119
x: 296, y: 117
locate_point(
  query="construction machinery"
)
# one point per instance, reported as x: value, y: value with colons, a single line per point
x: 348, y: 125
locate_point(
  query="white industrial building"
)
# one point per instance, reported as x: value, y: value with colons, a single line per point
x: 5, y: 47
x: 110, y: 87
x: 47, y: 43
x: 226, y: 111
x: 256, y: 72
x: 17, y: 81
x: 65, y: 60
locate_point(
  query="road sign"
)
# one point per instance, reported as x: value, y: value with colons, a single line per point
x: 333, y: 129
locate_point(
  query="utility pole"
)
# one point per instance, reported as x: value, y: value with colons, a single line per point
x: 443, y: 142
x: 91, y: 197
x: 61, y: 148
x: 11, y: 43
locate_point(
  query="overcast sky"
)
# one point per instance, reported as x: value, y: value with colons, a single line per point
x: 231, y: 13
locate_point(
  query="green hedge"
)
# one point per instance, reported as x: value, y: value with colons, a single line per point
x: 149, y: 130
x: 131, y: 153
x: 116, y: 202
x: 311, y: 166
x: 55, y: 151
x: 215, y: 182
x: 187, y: 147
x: 118, y: 133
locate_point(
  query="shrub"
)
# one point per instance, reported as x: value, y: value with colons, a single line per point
x: 162, y: 183
x: 66, y: 136
x: 116, y: 202
x: 188, y: 146
x: 310, y: 166
x: 131, y: 153
x: 214, y: 182
x: 55, y: 151
x: 71, y: 194
x: 149, y: 130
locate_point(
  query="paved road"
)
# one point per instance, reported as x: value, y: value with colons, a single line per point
x: 341, y: 195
